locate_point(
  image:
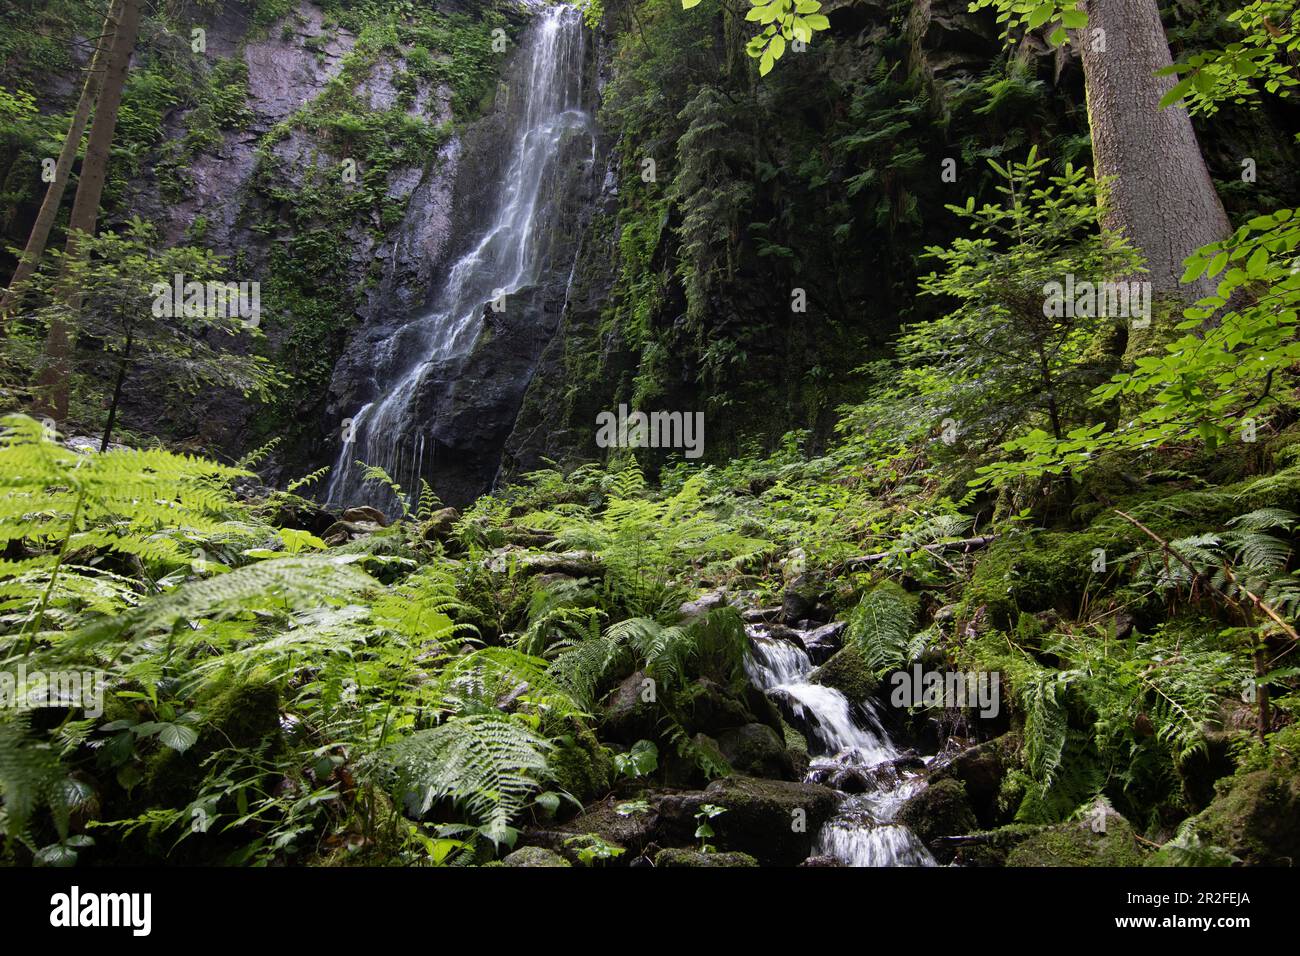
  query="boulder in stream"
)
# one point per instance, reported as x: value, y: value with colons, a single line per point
x: 940, y: 810
x: 847, y: 672
x: 776, y: 821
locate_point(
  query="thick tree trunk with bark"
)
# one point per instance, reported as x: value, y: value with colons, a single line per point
x: 1161, y: 197
x: 52, y: 392
x: 49, y: 210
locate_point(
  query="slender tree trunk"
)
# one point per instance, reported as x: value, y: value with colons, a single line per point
x: 49, y: 210
x: 123, y: 364
x: 1161, y: 197
x: 1263, y: 720
x: 52, y: 391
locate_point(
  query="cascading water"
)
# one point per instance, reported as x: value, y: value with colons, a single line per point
x: 510, y: 255
x: 862, y: 832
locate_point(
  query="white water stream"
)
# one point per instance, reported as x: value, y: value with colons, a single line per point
x: 862, y: 832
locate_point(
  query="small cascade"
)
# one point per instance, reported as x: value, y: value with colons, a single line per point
x: 863, y: 831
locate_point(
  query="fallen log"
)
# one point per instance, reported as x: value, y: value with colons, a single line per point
x: 964, y: 546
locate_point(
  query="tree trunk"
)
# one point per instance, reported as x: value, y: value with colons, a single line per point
x: 49, y: 210
x: 1161, y: 197
x: 122, y: 366
x: 52, y: 391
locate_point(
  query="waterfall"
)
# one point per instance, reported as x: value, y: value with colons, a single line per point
x: 862, y: 832
x: 509, y: 255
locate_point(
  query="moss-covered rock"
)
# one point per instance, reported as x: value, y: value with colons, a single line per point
x: 983, y: 770
x: 241, y: 716
x: 681, y: 856
x: 582, y: 767
x: 709, y: 708
x: 1033, y: 572
x: 776, y: 821
x: 990, y: 848
x: 848, y: 672
x: 631, y: 711
x: 940, y: 810
x: 796, y: 745
x: 755, y: 749
x: 534, y: 856
x: 1078, y: 844
x: 1256, y: 818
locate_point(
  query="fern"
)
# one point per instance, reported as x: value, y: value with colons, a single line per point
x: 881, y: 626
x: 490, y: 762
x: 30, y: 777
x: 281, y: 584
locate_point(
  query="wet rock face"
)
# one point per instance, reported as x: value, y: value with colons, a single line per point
x: 467, y: 406
x: 229, y: 193
x: 472, y: 403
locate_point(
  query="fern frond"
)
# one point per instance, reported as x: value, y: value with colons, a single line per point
x: 490, y: 762
x: 881, y: 625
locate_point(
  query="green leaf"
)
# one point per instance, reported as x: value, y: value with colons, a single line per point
x: 1195, y: 268
x: 1177, y: 92
x: 178, y: 737
x: 1040, y: 15
x: 1257, y: 263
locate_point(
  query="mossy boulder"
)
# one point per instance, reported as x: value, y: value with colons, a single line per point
x: 775, y: 821
x: 241, y: 716
x: 847, y: 672
x: 615, y: 822
x: 1080, y: 844
x: 757, y: 750
x: 989, y: 848
x: 441, y: 525
x: 711, y: 708
x: 983, y: 771
x: 582, y: 767
x: 796, y: 745
x: 681, y: 856
x: 534, y: 856
x: 1033, y: 572
x: 631, y: 711
x: 940, y: 810
x: 1256, y: 818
